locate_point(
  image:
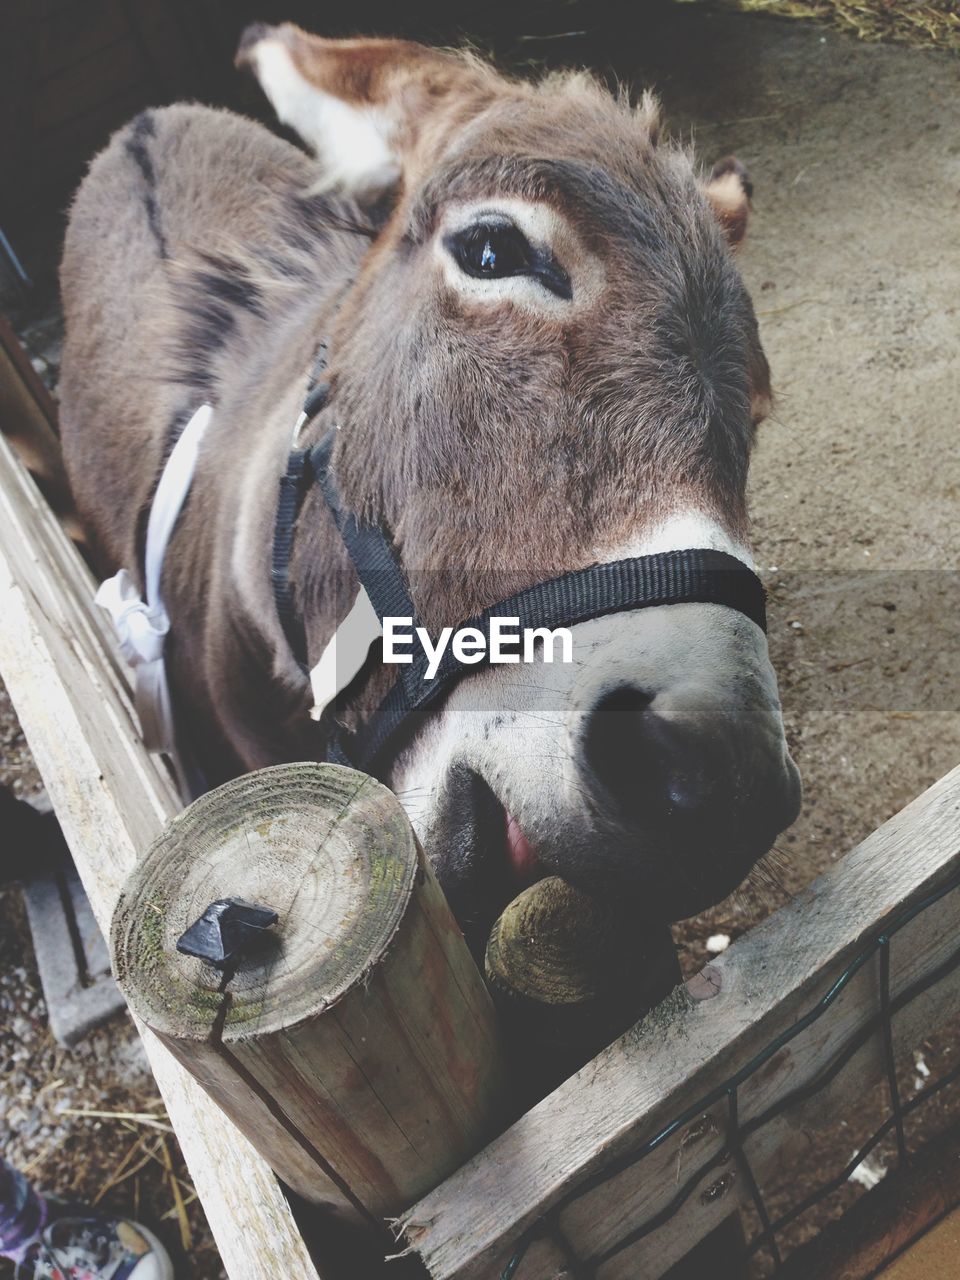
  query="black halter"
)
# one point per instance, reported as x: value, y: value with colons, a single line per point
x: 641, y: 582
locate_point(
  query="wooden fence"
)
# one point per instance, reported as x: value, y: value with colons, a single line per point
x: 113, y: 799
x: 577, y: 1178
x: 572, y: 1154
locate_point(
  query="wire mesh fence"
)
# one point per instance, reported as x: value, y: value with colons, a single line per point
x: 769, y: 1237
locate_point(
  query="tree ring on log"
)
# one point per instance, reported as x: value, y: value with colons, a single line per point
x: 328, y: 849
x: 356, y: 1045
x: 568, y: 969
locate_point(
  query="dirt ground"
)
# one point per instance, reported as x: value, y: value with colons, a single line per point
x: 854, y: 266
x: 853, y: 262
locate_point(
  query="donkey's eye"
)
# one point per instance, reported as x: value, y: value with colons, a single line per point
x: 494, y: 251
x: 491, y: 252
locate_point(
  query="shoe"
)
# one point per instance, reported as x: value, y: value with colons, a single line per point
x: 87, y: 1246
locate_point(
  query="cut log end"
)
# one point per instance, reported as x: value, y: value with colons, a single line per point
x: 570, y: 970
x: 556, y: 945
x: 325, y: 848
x: 354, y: 1041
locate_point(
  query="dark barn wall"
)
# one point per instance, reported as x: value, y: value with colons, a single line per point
x: 72, y: 71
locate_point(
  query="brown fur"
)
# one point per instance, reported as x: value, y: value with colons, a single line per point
x: 500, y: 445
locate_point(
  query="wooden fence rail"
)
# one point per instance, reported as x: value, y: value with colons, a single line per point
x: 470, y: 1227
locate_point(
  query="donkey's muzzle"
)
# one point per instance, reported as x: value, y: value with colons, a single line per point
x: 678, y: 744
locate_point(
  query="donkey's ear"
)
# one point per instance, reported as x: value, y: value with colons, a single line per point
x: 360, y: 105
x: 729, y: 191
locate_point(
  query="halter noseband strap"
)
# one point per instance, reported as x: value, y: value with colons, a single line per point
x: 641, y: 582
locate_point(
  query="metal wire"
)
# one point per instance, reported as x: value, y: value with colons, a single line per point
x: 738, y: 1132
x: 887, y: 1025
x: 828, y: 1188
x: 736, y: 1140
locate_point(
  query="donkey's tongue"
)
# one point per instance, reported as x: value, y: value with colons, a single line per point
x: 523, y: 859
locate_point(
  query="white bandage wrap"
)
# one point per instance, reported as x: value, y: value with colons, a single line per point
x: 142, y: 624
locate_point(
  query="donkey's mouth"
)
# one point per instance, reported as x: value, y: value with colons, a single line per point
x: 487, y: 857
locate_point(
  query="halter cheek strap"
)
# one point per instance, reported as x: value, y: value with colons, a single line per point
x: 697, y: 576
x: 641, y: 582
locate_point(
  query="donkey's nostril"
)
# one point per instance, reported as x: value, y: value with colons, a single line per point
x: 643, y: 766
x: 609, y: 747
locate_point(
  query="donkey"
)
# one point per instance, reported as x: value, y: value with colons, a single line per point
x: 541, y: 356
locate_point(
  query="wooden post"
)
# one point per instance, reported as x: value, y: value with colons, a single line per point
x: 355, y: 1047
x: 569, y: 974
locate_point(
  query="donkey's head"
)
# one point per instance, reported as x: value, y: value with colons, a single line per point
x: 547, y: 360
